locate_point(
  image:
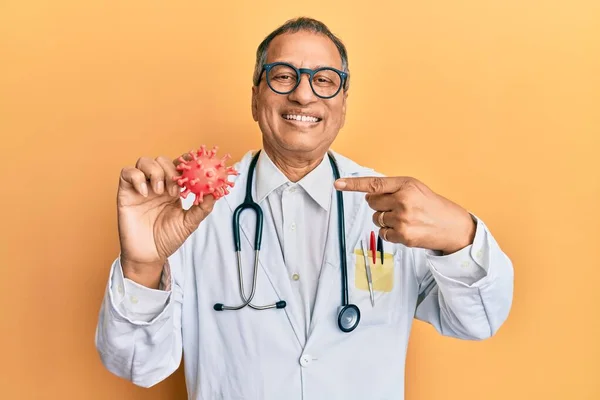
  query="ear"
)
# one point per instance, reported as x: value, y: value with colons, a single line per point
x: 344, y: 101
x: 255, y: 103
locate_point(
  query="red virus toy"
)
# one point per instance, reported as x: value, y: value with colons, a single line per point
x: 204, y: 174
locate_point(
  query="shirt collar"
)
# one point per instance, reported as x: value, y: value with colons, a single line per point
x: 318, y: 183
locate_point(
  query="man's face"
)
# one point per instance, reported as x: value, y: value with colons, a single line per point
x: 274, y: 112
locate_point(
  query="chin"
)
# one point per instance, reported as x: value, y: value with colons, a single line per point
x: 298, y: 143
x: 300, y: 147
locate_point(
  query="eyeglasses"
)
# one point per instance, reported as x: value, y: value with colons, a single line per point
x: 284, y: 78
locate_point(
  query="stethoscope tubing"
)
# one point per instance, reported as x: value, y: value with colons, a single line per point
x: 341, y: 233
x: 345, y: 309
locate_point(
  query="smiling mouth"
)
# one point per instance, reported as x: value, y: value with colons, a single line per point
x: 301, y: 118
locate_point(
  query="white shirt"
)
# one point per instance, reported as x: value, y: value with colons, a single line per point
x: 300, y: 214
x: 270, y: 355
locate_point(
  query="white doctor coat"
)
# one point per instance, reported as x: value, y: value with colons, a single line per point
x: 266, y: 355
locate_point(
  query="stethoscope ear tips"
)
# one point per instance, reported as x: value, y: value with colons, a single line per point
x: 280, y: 304
x: 218, y: 307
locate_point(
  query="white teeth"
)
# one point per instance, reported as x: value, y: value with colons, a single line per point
x: 303, y: 118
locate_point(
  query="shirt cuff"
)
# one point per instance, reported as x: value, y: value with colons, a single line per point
x: 133, y: 301
x: 466, y: 266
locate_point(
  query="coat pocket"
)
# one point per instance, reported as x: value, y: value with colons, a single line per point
x: 382, y: 274
x: 384, y: 282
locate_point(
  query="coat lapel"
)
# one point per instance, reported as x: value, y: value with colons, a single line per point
x: 329, y: 292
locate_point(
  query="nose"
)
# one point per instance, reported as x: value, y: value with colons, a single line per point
x: 303, y: 94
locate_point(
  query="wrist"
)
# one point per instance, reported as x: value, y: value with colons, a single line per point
x: 465, y: 236
x: 145, y: 274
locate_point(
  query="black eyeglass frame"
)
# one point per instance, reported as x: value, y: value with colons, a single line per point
x: 310, y: 72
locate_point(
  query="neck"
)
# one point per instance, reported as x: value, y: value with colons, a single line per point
x: 293, y: 165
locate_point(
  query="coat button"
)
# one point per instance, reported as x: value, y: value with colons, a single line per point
x: 305, y: 360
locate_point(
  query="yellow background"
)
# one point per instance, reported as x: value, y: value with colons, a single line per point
x: 494, y: 104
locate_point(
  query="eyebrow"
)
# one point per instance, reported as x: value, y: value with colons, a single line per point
x: 315, y: 67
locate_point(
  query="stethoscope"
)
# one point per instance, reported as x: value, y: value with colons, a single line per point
x: 348, y: 314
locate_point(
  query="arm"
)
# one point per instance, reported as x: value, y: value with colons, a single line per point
x: 466, y: 294
x: 138, y: 335
x: 465, y: 280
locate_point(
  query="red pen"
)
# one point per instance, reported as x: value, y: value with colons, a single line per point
x: 373, y: 248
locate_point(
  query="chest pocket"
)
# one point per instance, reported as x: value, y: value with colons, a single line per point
x: 385, y: 286
x: 382, y: 274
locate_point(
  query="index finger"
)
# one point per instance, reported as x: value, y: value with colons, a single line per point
x: 370, y: 184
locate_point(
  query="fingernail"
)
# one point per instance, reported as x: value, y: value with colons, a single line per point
x: 144, y: 189
x: 159, y: 187
x: 340, y: 184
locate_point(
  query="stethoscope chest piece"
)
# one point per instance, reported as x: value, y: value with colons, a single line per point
x: 348, y: 317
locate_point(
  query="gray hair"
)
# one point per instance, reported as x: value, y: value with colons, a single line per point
x: 293, y: 26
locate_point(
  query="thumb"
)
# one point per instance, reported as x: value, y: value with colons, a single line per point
x: 196, y: 214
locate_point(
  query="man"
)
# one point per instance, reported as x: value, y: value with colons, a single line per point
x: 440, y: 263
